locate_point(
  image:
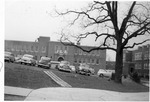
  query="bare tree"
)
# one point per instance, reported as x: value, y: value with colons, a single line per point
x: 120, y: 30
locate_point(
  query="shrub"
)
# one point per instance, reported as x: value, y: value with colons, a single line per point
x: 113, y: 76
x: 136, y: 77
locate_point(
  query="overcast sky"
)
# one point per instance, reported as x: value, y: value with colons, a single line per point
x: 28, y: 19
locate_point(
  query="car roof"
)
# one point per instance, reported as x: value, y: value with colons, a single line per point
x: 7, y: 52
x: 43, y: 57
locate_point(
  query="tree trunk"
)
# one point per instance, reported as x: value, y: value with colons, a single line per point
x: 119, y: 65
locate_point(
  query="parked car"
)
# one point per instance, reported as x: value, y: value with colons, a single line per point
x: 9, y: 57
x: 54, y: 64
x: 18, y: 59
x: 73, y: 69
x: 64, y: 66
x: 44, y: 62
x: 105, y: 73
x: 84, y: 69
x: 28, y: 59
x: 92, y: 71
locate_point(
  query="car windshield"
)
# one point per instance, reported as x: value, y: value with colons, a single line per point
x: 84, y: 65
x: 45, y: 58
x: 65, y: 62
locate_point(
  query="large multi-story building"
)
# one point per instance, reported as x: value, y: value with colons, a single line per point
x: 58, y: 51
x: 138, y: 60
x: 141, y: 59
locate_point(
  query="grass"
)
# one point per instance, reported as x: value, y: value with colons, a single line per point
x: 27, y: 77
x: 34, y: 78
x: 82, y: 81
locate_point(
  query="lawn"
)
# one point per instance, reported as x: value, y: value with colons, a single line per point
x: 34, y: 78
x: 27, y: 77
x: 82, y: 81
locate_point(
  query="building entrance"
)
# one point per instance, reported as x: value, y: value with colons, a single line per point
x: 60, y: 59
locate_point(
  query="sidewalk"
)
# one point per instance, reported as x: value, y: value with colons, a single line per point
x: 17, y: 91
x: 75, y: 94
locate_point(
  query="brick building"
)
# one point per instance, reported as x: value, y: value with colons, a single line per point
x: 57, y: 51
x: 141, y: 59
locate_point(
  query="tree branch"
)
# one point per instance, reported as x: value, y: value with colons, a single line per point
x: 70, y: 43
x: 126, y: 47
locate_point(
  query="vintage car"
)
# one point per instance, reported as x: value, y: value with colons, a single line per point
x: 44, y: 62
x: 18, y: 59
x: 64, y: 66
x: 105, y: 73
x: 28, y: 60
x: 54, y: 64
x: 84, y: 69
x: 9, y: 57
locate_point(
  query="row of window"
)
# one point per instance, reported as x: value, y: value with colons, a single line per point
x: 25, y: 48
x: 81, y: 52
x: 61, y: 49
x: 138, y: 56
x: 89, y: 61
x: 139, y: 66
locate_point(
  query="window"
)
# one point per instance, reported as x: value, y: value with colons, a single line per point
x: 12, y: 48
x: 7, y: 48
x: 93, y: 53
x: 21, y: 48
x: 146, y: 65
x: 97, y: 61
x: 36, y: 48
x: 80, y: 52
x: 79, y: 60
x: 17, y: 49
x: 93, y: 61
x: 76, y: 51
x: 138, y: 66
x: 146, y: 55
x: 97, y: 53
x: 56, y: 49
x: 83, y: 60
x: 27, y: 48
x: 24, y: 47
x: 75, y: 60
x: 138, y: 56
x: 88, y: 61
x: 43, y: 49
x: 65, y: 49
x: 32, y: 49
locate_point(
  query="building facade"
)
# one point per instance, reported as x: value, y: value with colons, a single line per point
x: 138, y: 59
x: 141, y: 59
x: 57, y: 51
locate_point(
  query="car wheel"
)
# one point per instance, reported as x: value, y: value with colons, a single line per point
x: 101, y: 75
